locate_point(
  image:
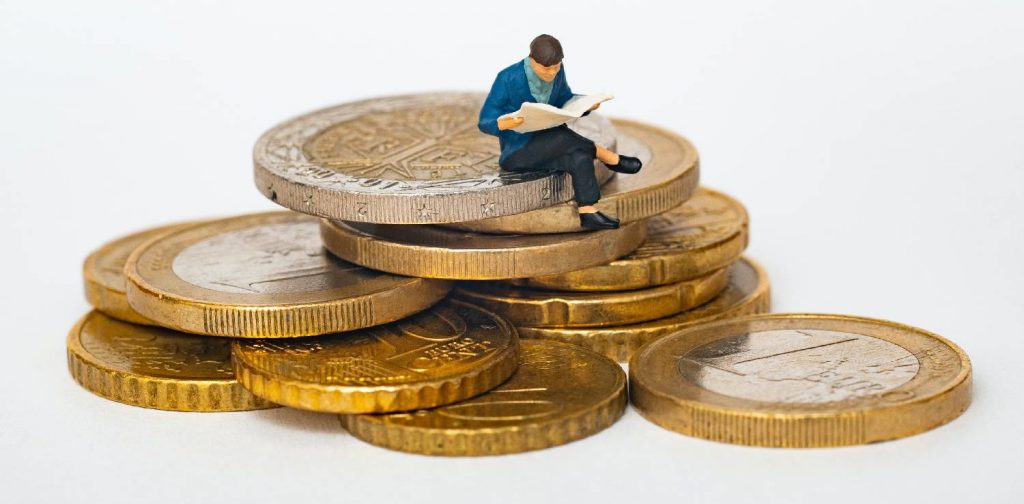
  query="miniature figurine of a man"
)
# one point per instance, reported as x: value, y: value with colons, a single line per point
x: 540, y: 78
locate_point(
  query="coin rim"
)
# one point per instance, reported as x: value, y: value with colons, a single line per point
x: 110, y: 299
x: 619, y: 343
x: 791, y: 428
x: 391, y: 398
x: 543, y: 308
x: 504, y: 440
x: 132, y: 388
x: 319, y: 313
x: 653, y: 270
x: 425, y: 261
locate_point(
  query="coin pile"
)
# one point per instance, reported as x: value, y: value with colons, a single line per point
x: 396, y: 290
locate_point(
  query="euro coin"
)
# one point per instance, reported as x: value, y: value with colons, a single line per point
x: 800, y: 381
x: 706, y: 233
x: 155, y: 367
x: 668, y: 178
x: 103, y: 274
x: 416, y: 159
x: 560, y: 393
x: 264, y: 275
x: 448, y: 353
x: 746, y: 293
x: 541, y: 308
x: 436, y: 252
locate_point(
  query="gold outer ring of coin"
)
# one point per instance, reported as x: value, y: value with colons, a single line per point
x: 669, y: 177
x: 833, y: 380
x: 541, y: 308
x: 103, y: 274
x: 158, y: 292
x: 413, y: 159
x: 436, y: 252
x: 748, y: 293
x: 561, y: 393
x: 155, y: 367
x: 446, y: 354
x: 707, y: 232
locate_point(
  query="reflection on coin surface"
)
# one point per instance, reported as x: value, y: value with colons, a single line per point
x: 436, y: 252
x: 103, y: 273
x: 155, y: 367
x: 560, y: 393
x: 415, y: 159
x: 669, y: 177
x: 746, y: 293
x: 543, y: 308
x: 448, y: 353
x: 800, y: 381
x: 264, y: 275
x: 706, y: 233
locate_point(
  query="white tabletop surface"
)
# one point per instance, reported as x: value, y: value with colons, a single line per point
x: 877, y: 147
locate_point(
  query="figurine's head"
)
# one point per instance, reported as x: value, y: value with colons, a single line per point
x: 546, y: 57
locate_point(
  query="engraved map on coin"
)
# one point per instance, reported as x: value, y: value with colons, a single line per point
x: 267, y: 259
x: 443, y: 337
x: 152, y: 351
x: 799, y: 366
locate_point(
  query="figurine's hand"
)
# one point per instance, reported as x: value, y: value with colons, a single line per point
x: 594, y: 107
x: 506, y: 123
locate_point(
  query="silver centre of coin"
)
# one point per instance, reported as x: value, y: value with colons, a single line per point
x: 270, y: 259
x: 799, y: 366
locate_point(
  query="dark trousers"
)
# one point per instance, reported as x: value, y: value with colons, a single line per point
x: 560, y: 149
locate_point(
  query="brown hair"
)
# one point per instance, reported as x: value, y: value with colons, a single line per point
x: 546, y: 50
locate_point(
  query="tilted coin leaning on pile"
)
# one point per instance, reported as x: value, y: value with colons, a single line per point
x: 442, y: 305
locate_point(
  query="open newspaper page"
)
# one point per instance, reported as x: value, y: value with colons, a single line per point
x: 539, y: 116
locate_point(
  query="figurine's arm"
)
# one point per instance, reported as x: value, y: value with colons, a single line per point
x: 495, y: 106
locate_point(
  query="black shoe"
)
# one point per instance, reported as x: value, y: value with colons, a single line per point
x: 627, y: 164
x: 598, y: 220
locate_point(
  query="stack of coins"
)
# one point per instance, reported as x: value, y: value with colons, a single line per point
x: 396, y: 290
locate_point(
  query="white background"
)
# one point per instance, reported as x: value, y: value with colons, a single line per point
x: 878, y: 147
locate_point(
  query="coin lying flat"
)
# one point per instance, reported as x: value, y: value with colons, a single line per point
x: 103, y: 273
x: 448, y: 353
x: 416, y: 159
x: 800, y: 381
x: 706, y: 233
x: 542, y: 308
x: 436, y: 252
x: 669, y: 177
x: 264, y: 275
x: 155, y: 367
x: 560, y: 393
x: 747, y: 293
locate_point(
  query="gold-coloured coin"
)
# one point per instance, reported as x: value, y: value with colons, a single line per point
x: 542, y: 308
x: 669, y: 177
x: 103, y: 273
x: 155, y: 367
x: 561, y: 393
x: 800, y: 381
x: 448, y: 353
x: 436, y: 252
x: 747, y: 293
x: 706, y: 233
x: 416, y: 159
x: 264, y: 276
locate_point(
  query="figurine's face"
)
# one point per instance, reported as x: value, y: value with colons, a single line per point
x: 546, y: 73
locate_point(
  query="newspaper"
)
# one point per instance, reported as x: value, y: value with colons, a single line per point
x: 539, y: 116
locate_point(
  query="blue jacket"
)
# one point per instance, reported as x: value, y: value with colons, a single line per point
x: 509, y: 91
